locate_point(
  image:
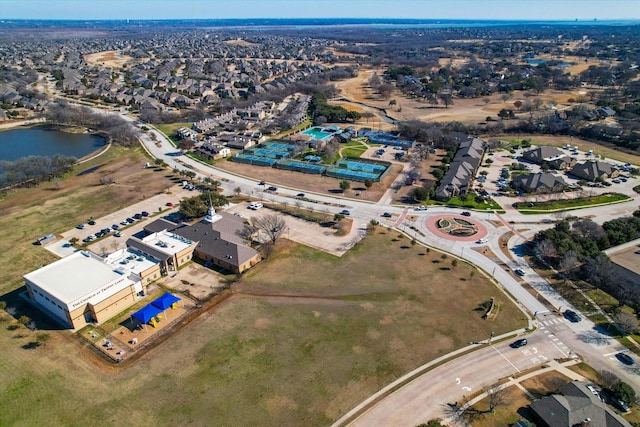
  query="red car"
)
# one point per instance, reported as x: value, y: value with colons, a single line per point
x: 169, y: 204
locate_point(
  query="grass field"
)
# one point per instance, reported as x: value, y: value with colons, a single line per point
x: 305, y: 337
x: 568, y: 204
x: 53, y: 207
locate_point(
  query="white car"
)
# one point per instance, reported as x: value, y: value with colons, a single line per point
x: 481, y: 241
x: 255, y: 206
x: 420, y: 208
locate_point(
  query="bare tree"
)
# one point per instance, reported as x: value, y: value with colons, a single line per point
x: 272, y: 225
x: 627, y: 322
x: 496, y: 397
x: 248, y: 231
x: 569, y: 261
x: 545, y: 249
x: 608, y: 379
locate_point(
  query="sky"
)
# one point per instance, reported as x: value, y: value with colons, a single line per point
x: 420, y: 9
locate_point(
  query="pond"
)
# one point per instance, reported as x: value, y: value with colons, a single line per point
x: 18, y: 143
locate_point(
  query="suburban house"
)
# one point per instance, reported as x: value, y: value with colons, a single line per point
x: 218, y: 237
x: 594, y: 170
x: 576, y: 406
x: 462, y: 169
x: 561, y: 163
x: 544, y: 154
x: 213, y: 151
x: 236, y: 141
x: 541, y: 182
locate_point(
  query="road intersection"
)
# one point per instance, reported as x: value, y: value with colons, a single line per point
x: 550, y: 335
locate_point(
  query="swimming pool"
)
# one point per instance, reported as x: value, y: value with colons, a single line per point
x: 317, y: 133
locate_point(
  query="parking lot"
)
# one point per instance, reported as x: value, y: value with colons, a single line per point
x: 155, y: 206
x: 503, y: 159
x: 308, y: 233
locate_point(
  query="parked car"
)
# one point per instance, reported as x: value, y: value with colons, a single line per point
x: 137, y: 216
x: 345, y: 212
x: 238, y: 214
x: 255, y: 206
x: 169, y: 204
x: 80, y: 226
x: 300, y: 195
x: 420, y: 208
x: 620, y: 405
x: 91, y: 222
x: 131, y: 220
x: 625, y: 358
x: 519, y: 343
x: 593, y: 390
x: 387, y: 215
x: 572, y: 316
x: 115, y: 227
x: 144, y: 213
x: 124, y: 223
x: 118, y: 234
x: 466, y: 213
x: 519, y: 272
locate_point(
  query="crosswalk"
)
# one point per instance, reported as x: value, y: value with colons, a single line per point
x: 554, y: 321
x: 555, y: 340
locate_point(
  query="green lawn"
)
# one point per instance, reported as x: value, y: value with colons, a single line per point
x: 169, y: 129
x: 569, y: 204
x: 470, y: 203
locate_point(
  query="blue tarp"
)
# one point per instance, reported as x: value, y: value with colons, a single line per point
x: 165, y: 301
x: 147, y: 313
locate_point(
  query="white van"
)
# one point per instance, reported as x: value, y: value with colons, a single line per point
x: 255, y: 205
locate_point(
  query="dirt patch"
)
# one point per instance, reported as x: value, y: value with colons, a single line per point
x: 310, y: 183
x: 240, y: 42
x: 109, y: 58
x: 546, y: 383
x: 198, y: 282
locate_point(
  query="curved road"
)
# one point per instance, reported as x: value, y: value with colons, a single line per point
x: 426, y: 397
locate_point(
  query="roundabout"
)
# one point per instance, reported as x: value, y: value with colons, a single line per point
x: 456, y: 227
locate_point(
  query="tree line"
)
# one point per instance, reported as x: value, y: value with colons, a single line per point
x: 323, y: 112
x: 114, y: 127
x: 33, y: 170
x: 575, y: 250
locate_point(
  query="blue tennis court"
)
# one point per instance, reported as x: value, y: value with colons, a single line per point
x: 298, y: 166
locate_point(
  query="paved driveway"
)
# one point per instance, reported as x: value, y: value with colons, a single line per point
x: 309, y: 233
x: 155, y: 206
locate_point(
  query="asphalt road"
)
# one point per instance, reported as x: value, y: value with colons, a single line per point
x: 425, y: 397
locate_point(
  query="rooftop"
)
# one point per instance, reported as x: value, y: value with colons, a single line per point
x: 78, y: 278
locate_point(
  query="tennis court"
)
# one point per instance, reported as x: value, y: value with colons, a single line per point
x: 359, y: 170
x: 297, y: 166
x: 253, y: 160
x: 386, y: 138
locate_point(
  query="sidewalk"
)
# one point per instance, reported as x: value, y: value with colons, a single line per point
x: 553, y: 365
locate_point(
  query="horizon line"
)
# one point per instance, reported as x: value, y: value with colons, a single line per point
x: 333, y: 18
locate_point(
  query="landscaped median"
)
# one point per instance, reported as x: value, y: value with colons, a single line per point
x: 551, y: 206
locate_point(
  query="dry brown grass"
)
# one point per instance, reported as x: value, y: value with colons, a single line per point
x: 546, y: 383
x: 305, y: 337
x: 503, y: 415
x: 26, y: 214
x: 310, y: 183
x: 109, y: 58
